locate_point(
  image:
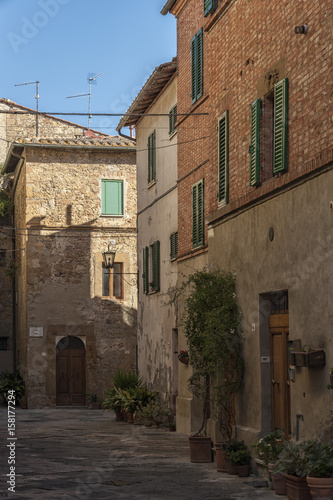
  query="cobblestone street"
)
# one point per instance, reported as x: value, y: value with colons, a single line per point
x: 83, y: 454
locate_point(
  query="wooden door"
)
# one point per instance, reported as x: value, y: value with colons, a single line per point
x: 280, y: 384
x: 70, y: 372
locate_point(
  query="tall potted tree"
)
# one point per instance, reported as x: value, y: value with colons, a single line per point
x: 211, y: 323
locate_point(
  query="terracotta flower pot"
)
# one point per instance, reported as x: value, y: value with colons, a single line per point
x: 321, y: 487
x: 297, y: 488
x: 119, y: 417
x: 220, y: 458
x: 231, y: 468
x: 200, y: 449
x: 243, y: 470
x: 279, y: 483
x: 184, y: 360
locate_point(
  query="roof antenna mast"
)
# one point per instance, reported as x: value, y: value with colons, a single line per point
x: 36, y: 97
x: 92, y: 80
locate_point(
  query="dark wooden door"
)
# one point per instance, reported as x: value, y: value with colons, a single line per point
x: 70, y: 375
x: 280, y: 384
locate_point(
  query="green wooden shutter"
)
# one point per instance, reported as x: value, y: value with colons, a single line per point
x: 112, y: 197
x: 174, y: 245
x: 156, y: 266
x: 198, y: 214
x: 199, y: 64
x: 152, y: 156
x: 208, y: 6
x: 145, y: 270
x: 172, y: 119
x: 193, y: 69
x: 223, y: 159
x: 280, y: 125
x: 255, y: 143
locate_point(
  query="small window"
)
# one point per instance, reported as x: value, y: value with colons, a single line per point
x: 172, y: 119
x: 2, y: 258
x: 269, y: 130
x: 152, y: 157
x: 174, y: 245
x: 112, y: 197
x: 113, y: 281
x: 198, y: 228
x: 3, y: 343
x: 197, y: 66
x: 209, y: 6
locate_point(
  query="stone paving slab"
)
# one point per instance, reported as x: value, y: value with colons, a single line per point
x: 85, y: 454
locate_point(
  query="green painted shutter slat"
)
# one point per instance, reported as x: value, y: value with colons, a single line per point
x: 280, y: 125
x: 223, y: 160
x: 193, y: 69
x: 255, y: 143
x: 156, y: 266
x: 198, y: 228
x: 152, y: 157
x: 174, y: 245
x: 172, y: 119
x: 112, y: 197
x: 194, y: 215
x: 199, y: 65
x: 145, y: 270
x: 208, y: 5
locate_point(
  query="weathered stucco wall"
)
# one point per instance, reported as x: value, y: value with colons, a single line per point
x: 299, y: 260
x: 6, y: 294
x: 157, y: 219
x: 66, y: 236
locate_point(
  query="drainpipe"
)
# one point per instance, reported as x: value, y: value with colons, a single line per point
x: 131, y: 138
x: 299, y: 417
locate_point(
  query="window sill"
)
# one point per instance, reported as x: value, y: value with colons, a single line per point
x: 113, y: 216
x: 172, y: 134
x: 151, y: 183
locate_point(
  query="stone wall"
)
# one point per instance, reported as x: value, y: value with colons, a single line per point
x: 64, y: 239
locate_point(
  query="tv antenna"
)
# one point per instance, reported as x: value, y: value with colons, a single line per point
x: 92, y: 81
x: 36, y: 97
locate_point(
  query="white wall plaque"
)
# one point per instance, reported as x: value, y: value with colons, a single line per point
x: 36, y: 331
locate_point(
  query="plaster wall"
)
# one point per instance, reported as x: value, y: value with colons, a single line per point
x: 157, y: 219
x: 299, y: 260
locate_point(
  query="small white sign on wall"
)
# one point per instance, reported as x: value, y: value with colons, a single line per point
x: 36, y: 331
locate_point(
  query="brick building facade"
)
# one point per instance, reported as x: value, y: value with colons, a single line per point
x: 254, y: 184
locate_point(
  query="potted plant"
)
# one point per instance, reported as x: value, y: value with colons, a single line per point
x: 183, y: 356
x: 293, y: 463
x: 320, y: 470
x: 93, y: 400
x: 122, y: 380
x: 12, y: 382
x: 157, y: 412
x: 211, y: 324
x: 231, y: 448
x: 269, y: 448
x: 242, y: 459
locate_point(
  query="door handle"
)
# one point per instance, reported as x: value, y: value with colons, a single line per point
x: 275, y: 382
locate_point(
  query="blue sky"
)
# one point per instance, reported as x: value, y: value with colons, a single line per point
x: 60, y: 42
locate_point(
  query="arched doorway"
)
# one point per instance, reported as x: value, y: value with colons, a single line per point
x: 71, y: 372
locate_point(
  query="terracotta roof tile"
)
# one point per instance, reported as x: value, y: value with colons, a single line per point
x: 111, y: 141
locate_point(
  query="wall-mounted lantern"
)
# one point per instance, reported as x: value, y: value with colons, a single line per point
x: 109, y: 256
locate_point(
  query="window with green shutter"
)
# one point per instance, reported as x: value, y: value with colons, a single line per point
x: 174, y: 245
x: 198, y: 214
x: 152, y: 157
x: 197, y: 66
x: 172, y: 119
x: 255, y: 143
x: 209, y: 6
x: 280, y: 126
x: 155, y: 284
x: 145, y: 270
x: 112, y: 197
x: 223, y: 158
